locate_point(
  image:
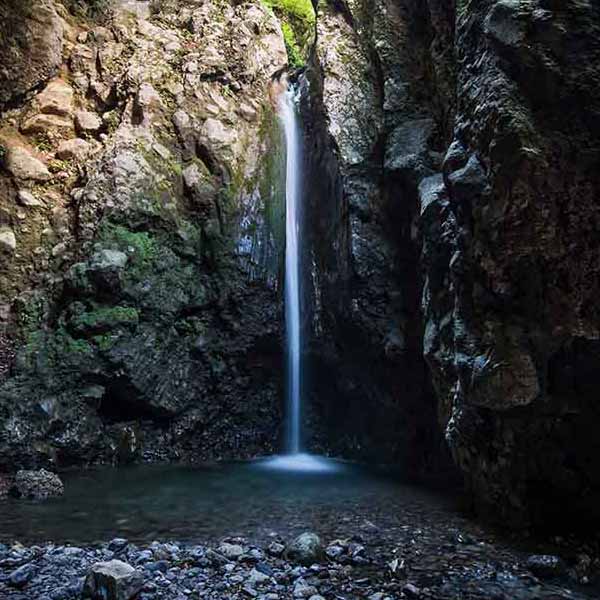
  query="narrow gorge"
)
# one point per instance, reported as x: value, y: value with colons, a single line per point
x: 298, y: 299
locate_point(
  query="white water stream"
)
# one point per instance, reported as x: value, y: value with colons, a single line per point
x: 287, y: 114
x: 294, y: 459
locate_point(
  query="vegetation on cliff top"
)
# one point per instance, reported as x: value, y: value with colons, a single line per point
x: 297, y: 24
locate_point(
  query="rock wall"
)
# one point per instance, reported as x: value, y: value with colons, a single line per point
x: 140, y: 220
x: 456, y: 150
x: 510, y: 227
x: 379, y: 125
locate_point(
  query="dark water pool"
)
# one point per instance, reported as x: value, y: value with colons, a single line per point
x: 203, y: 503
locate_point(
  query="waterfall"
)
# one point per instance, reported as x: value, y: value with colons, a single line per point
x: 294, y: 459
x: 287, y: 114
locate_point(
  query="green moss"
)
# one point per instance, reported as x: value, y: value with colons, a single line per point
x: 105, y: 319
x: 298, y: 21
x: 140, y: 246
x: 294, y: 51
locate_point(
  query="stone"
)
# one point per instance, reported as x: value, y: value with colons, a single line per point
x: 38, y: 485
x: 32, y: 53
x: 108, y: 259
x: 26, y: 198
x: 306, y: 549
x: 116, y: 544
x: 546, y: 565
x: 275, y: 549
x: 217, y: 134
x: 146, y: 101
x: 87, y: 122
x: 8, y: 241
x: 411, y: 591
x: 23, y: 165
x: 303, y: 589
x: 56, y: 99
x: 113, y: 580
x: 231, y: 551
x: 44, y: 123
x: 257, y: 577
x: 76, y: 149
x: 20, y: 577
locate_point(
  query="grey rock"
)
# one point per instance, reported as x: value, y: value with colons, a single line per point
x: 38, y: 485
x: 306, y: 549
x: 112, y: 580
x: 23, y: 165
x: 20, y: 577
x: 8, y: 241
x: 26, y: 198
x: 546, y: 565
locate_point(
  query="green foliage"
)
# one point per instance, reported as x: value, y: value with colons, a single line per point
x: 104, y: 319
x: 95, y: 9
x: 3, y: 152
x: 291, y: 45
x: 140, y: 246
x: 298, y: 20
x: 298, y: 9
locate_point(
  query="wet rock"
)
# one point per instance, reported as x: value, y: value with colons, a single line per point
x: 306, y: 549
x: 23, y: 165
x: 411, y: 591
x: 38, y: 485
x: 546, y: 565
x: 22, y: 576
x: 303, y: 589
x: 231, y: 551
x: 112, y: 580
x: 118, y: 544
x: 275, y: 549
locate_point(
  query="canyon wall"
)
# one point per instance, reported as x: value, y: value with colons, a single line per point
x: 466, y: 143
x: 140, y: 232
x: 451, y: 155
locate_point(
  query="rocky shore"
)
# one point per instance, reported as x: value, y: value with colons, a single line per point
x: 440, y: 565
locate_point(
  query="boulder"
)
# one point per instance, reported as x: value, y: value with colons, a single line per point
x: 231, y: 551
x: 76, y: 149
x: 23, y: 165
x: 546, y: 565
x: 112, y: 580
x: 26, y: 198
x: 8, y: 241
x: 306, y: 549
x: 87, y: 122
x: 44, y: 123
x: 33, y: 51
x: 56, y: 99
x: 38, y: 485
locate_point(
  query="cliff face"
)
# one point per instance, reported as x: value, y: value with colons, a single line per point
x: 140, y: 219
x: 381, y: 72
x: 452, y: 162
x: 510, y: 230
x: 465, y: 145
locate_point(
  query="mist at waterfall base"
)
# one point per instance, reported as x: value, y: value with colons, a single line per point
x: 294, y: 459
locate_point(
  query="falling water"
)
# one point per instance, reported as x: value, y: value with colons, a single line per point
x: 294, y: 459
x: 287, y: 113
